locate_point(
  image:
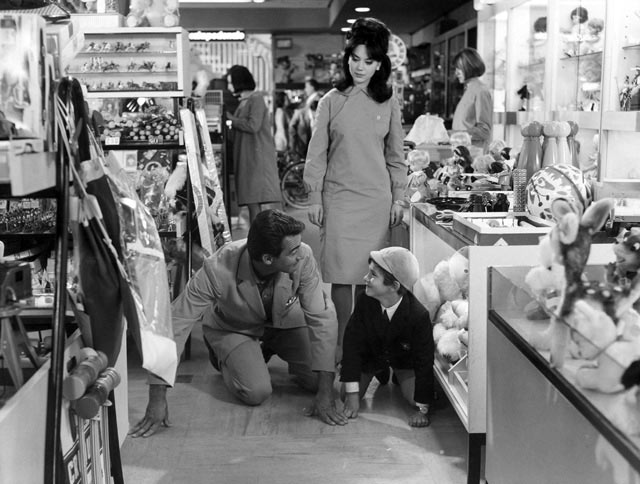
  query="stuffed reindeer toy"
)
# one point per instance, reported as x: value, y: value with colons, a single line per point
x: 570, y: 244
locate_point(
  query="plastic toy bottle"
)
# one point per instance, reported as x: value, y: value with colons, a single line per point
x: 529, y: 161
x: 563, y: 131
x: 550, y: 130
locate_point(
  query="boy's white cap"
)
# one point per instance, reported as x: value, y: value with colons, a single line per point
x: 400, y: 263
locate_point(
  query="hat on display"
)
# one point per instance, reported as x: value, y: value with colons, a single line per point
x: 400, y: 263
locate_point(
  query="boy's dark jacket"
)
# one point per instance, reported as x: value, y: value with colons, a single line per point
x: 372, y: 344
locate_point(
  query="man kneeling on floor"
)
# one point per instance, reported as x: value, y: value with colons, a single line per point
x: 257, y: 297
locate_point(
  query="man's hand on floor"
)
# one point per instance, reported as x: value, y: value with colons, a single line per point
x: 157, y: 413
x: 324, y: 405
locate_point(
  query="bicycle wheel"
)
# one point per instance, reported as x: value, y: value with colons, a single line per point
x: 292, y: 186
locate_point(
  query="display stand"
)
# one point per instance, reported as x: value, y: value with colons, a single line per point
x: 432, y: 242
x: 538, y: 414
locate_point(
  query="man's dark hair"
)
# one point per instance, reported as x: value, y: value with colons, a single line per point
x: 388, y: 279
x: 241, y: 79
x: 268, y: 230
x: 374, y: 35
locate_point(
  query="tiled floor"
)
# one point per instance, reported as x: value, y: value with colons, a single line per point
x: 215, y: 439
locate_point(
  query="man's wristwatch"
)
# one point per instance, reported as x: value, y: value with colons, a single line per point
x: 423, y: 408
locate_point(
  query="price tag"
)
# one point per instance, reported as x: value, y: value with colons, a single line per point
x: 112, y: 140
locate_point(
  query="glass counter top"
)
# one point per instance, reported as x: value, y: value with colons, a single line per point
x: 523, y: 319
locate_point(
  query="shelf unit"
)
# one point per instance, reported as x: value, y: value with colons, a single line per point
x: 133, y: 62
x: 571, y: 75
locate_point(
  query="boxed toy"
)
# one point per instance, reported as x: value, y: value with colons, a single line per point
x: 22, y: 83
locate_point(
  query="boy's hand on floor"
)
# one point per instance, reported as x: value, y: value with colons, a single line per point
x: 418, y: 419
x: 352, y: 405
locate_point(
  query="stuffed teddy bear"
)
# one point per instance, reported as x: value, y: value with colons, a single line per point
x: 449, y: 330
x: 443, y: 292
x: 545, y: 281
x: 611, y: 346
x: 448, y: 281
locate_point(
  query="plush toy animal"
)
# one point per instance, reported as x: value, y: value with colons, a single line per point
x: 546, y: 281
x: 443, y: 292
x: 570, y: 244
x: 448, y: 281
x: 451, y: 323
x: 610, y: 346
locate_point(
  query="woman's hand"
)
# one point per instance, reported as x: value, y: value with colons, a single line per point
x: 316, y: 214
x: 397, y: 213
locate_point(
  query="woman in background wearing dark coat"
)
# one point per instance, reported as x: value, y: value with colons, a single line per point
x: 254, y: 150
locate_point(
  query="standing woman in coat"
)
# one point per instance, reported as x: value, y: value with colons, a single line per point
x: 254, y: 151
x: 474, y: 111
x: 355, y: 170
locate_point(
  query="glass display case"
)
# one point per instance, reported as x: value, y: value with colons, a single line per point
x: 579, y: 46
x: 619, y: 141
x: 581, y: 63
x: 133, y: 62
x: 549, y: 410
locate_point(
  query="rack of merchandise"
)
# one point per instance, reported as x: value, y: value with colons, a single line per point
x: 584, y: 435
x: 579, y: 62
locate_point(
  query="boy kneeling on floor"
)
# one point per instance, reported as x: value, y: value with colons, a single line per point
x: 389, y: 327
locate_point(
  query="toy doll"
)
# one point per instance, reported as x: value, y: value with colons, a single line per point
x: 574, y: 35
x: 593, y: 41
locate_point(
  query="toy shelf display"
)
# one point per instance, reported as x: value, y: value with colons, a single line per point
x: 133, y: 62
x: 528, y: 400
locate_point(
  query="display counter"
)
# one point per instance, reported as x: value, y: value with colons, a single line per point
x: 465, y: 383
x: 541, y: 425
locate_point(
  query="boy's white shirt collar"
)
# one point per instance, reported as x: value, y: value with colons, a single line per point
x: 391, y: 310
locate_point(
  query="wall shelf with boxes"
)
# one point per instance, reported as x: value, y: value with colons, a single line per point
x: 579, y: 62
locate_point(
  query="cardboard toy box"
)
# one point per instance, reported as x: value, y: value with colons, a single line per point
x: 22, y: 83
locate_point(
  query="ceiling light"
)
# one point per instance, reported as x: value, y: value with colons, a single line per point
x: 345, y: 29
x: 215, y: 1
x: 362, y: 9
x: 351, y: 20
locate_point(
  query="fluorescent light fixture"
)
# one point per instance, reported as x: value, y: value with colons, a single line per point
x: 345, y: 29
x: 362, y: 9
x: 215, y: 1
x: 351, y: 20
x: 210, y: 36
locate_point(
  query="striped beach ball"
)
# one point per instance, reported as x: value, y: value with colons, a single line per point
x: 556, y: 181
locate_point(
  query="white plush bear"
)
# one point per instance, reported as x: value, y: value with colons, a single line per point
x: 448, y: 281
x: 443, y: 292
x: 450, y: 329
